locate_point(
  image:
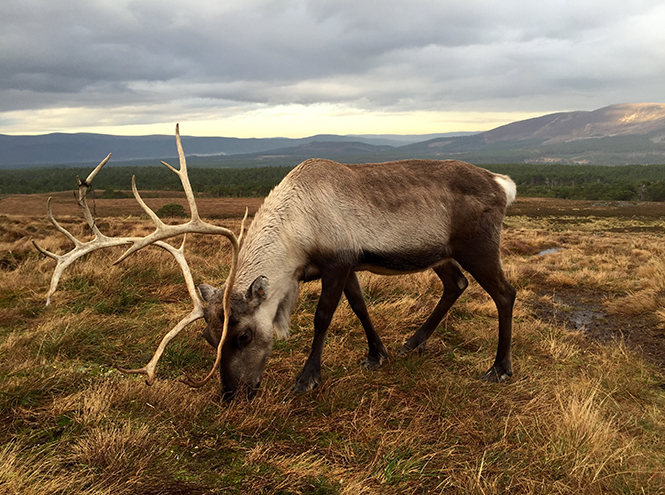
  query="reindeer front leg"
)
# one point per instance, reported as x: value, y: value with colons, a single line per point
x: 377, y: 352
x: 332, y: 286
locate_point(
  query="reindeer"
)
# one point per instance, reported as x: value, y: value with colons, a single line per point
x: 327, y: 221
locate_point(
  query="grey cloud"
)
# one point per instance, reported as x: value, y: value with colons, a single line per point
x: 509, y: 55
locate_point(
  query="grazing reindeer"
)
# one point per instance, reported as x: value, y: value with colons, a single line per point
x: 327, y: 221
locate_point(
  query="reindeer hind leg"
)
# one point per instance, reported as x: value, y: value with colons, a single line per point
x: 486, y: 268
x: 454, y: 283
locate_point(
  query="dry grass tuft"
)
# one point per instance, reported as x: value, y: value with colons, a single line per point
x: 30, y: 474
x: 117, y: 451
x: 584, y: 441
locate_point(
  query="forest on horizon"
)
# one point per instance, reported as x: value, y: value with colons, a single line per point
x: 586, y: 182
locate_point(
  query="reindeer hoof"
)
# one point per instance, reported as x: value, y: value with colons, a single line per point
x: 407, y: 349
x: 496, y: 374
x: 304, y: 385
x: 373, y: 362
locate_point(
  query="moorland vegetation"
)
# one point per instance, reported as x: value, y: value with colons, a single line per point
x: 584, y: 413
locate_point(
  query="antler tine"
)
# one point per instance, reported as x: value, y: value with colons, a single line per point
x: 63, y: 261
x: 97, y: 169
x: 150, y: 368
x: 182, y: 173
x: 83, y: 193
x: 60, y: 228
x: 197, y: 312
x: 153, y: 216
x: 242, y: 228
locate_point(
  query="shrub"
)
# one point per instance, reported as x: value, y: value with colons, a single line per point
x: 171, y: 210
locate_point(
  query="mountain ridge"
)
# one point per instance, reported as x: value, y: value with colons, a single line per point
x: 74, y: 148
x: 613, y: 120
x: 627, y: 133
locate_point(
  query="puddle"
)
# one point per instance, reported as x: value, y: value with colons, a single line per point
x: 584, y: 314
x: 549, y: 251
x: 584, y: 318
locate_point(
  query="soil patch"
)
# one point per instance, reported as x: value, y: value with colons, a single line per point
x: 583, y: 311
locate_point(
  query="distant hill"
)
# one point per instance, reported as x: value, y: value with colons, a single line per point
x: 72, y: 149
x: 614, y: 135
x: 615, y: 120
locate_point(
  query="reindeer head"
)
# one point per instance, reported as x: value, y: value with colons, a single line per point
x: 248, y: 339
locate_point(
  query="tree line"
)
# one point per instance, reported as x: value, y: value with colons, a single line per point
x: 226, y: 182
x: 592, y: 182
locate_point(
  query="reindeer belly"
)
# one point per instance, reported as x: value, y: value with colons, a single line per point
x: 395, y: 263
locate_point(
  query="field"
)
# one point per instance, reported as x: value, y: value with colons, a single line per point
x: 584, y: 412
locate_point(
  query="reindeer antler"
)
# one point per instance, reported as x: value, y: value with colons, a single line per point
x: 162, y: 231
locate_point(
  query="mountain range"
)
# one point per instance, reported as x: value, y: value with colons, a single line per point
x: 614, y: 135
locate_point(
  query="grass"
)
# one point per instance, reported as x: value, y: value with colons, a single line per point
x: 584, y: 413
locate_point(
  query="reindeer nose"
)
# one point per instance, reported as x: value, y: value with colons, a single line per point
x: 228, y: 393
x: 243, y: 390
x: 252, y: 391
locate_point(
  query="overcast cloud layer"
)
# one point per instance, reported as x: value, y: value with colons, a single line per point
x: 76, y: 64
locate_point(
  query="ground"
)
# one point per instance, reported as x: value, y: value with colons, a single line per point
x: 584, y: 412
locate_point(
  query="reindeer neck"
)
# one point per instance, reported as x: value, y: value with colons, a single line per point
x: 268, y: 251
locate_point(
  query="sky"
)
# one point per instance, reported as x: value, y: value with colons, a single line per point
x: 295, y: 68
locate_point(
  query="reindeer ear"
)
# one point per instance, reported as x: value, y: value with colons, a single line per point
x: 258, y: 291
x: 207, y: 292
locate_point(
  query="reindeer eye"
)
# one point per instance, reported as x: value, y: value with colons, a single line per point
x: 244, y: 338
